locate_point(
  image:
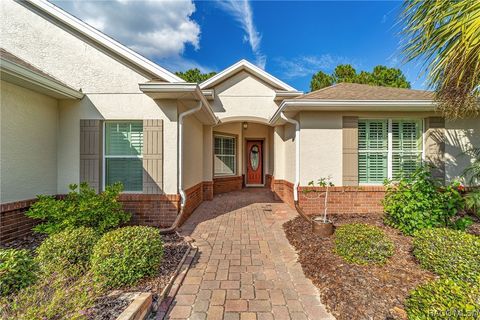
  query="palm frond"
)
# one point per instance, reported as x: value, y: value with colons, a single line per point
x: 446, y: 35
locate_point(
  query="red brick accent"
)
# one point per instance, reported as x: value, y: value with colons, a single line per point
x: 207, y: 190
x: 157, y: 210
x: 227, y: 184
x: 283, y: 190
x: 194, y: 199
x: 348, y: 199
x: 14, y: 224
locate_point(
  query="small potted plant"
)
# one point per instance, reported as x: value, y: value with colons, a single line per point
x: 321, y: 225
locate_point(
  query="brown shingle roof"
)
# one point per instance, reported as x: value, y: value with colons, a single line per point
x: 355, y: 91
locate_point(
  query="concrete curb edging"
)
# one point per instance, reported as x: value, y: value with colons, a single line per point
x: 168, y: 295
x: 142, y: 306
x: 139, y: 308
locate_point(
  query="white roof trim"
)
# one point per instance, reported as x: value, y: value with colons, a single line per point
x: 152, y: 87
x: 102, y: 39
x: 363, y: 105
x: 245, y: 65
x: 40, y: 81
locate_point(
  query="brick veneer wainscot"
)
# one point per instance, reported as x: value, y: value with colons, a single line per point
x: 227, y: 184
x: 14, y: 224
x: 157, y: 210
x: 341, y: 200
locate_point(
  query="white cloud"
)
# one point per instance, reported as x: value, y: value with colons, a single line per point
x: 384, y: 18
x: 182, y: 64
x: 157, y: 29
x: 242, y: 12
x: 307, y: 65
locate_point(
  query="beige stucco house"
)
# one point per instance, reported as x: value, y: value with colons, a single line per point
x: 78, y: 106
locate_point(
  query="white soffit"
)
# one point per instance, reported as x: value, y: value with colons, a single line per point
x: 353, y: 105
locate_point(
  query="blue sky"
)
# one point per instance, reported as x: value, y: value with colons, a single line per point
x: 291, y: 40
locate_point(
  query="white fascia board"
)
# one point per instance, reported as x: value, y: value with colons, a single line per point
x: 245, y: 65
x: 167, y: 87
x: 209, y: 94
x: 180, y: 87
x: 39, y: 80
x: 281, y: 94
x: 104, y: 40
x: 360, y: 105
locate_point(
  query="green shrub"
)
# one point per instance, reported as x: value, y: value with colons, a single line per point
x: 472, y: 202
x: 444, y: 299
x: 418, y: 202
x: 53, y: 297
x: 363, y: 244
x: 125, y: 255
x: 82, y: 207
x: 67, y: 252
x: 17, y: 270
x: 450, y: 253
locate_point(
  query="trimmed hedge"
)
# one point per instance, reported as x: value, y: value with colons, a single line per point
x: 124, y: 256
x: 17, y: 270
x: 444, y: 299
x: 67, y: 252
x: 363, y: 244
x: 451, y: 253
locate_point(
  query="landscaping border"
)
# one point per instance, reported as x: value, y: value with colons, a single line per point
x: 142, y: 306
x: 168, y: 294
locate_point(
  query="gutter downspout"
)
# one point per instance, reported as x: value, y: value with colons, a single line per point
x: 183, y: 196
x: 297, y: 165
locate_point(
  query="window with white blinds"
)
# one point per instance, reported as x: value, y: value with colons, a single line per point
x: 388, y: 148
x: 225, y: 155
x: 406, y: 147
x: 123, y: 154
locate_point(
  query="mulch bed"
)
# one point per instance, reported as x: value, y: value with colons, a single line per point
x: 112, y: 305
x: 30, y: 242
x: 352, y: 291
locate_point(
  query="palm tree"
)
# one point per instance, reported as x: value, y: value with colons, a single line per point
x: 446, y: 35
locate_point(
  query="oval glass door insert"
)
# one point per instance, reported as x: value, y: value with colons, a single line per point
x: 254, y: 157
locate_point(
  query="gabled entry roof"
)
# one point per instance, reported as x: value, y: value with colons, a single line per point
x: 253, y: 69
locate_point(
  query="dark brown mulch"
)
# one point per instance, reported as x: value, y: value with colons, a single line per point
x: 351, y: 291
x: 110, y: 306
x: 475, y: 227
x: 30, y: 242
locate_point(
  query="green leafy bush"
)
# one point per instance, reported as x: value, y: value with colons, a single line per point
x: 17, y: 270
x: 82, y: 207
x: 418, y: 202
x: 67, y: 252
x: 444, y: 299
x: 472, y: 202
x: 125, y: 255
x: 53, y: 297
x: 363, y: 244
x: 450, y: 253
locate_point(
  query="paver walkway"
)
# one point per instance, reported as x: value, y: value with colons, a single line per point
x: 245, y: 269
